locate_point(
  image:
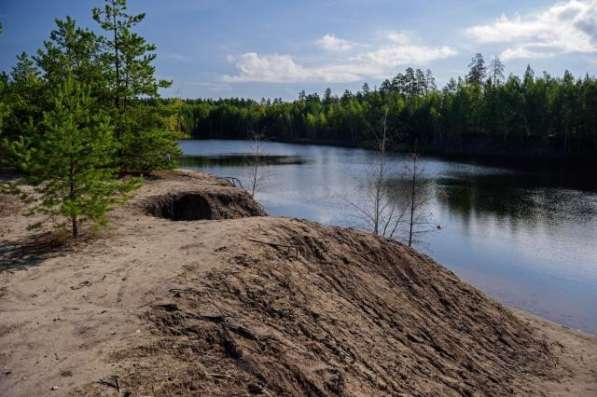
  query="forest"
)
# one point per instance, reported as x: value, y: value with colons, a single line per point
x: 483, y: 113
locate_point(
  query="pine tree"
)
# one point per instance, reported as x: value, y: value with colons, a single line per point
x: 366, y: 90
x: 497, y: 71
x: 430, y: 81
x: 410, y: 82
x: 25, y: 92
x: 4, y: 112
x: 477, y: 70
x: 71, y: 166
x: 327, y: 96
x: 77, y: 50
x: 131, y: 77
x: 420, y: 83
x: 4, y: 109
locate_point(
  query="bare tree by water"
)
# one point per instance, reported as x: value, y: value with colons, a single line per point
x: 256, y: 177
x: 395, y: 204
x: 418, y: 189
x: 382, y: 213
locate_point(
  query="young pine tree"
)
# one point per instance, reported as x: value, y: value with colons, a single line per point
x: 71, y: 167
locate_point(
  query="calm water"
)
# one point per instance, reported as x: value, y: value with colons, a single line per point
x: 527, y: 238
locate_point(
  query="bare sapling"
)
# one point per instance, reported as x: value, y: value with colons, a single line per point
x: 381, y: 212
x: 418, y: 217
x: 256, y: 177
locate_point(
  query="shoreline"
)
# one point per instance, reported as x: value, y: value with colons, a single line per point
x: 82, y: 314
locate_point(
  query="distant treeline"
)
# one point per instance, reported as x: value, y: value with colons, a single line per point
x: 481, y: 114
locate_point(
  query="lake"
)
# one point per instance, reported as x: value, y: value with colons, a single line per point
x: 527, y: 237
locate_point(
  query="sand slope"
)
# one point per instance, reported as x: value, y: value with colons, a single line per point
x: 244, y: 304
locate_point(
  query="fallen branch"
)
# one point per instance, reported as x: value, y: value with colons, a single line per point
x: 234, y: 181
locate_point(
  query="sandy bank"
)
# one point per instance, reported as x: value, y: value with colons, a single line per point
x: 193, y: 291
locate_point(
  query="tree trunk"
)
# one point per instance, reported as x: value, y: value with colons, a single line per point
x: 119, y: 132
x: 75, y: 227
x: 71, y: 195
x: 412, y: 200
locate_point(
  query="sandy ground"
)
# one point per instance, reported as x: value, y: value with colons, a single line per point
x: 577, y: 353
x: 114, y: 313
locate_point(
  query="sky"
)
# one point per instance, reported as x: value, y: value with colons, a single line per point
x: 276, y: 48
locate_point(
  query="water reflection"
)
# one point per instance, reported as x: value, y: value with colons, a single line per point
x: 514, y: 197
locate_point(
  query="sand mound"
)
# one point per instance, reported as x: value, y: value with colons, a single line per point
x: 321, y: 311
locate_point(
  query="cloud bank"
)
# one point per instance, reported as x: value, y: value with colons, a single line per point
x: 567, y: 27
x: 356, y: 63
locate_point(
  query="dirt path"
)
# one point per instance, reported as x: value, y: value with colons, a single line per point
x: 259, y: 305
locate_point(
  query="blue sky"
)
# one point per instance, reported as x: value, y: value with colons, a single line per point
x: 275, y: 48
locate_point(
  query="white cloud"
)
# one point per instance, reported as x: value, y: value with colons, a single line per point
x: 332, y: 43
x: 565, y: 27
x: 524, y: 53
x: 395, y: 50
x: 407, y: 54
x: 400, y: 38
x: 276, y: 68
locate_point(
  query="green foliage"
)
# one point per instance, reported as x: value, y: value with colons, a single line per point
x: 4, y: 105
x: 477, y: 70
x: 117, y: 69
x: 128, y: 60
x: 147, y: 142
x: 4, y: 112
x: 128, y: 55
x: 71, y: 165
x: 24, y: 91
x: 536, y: 116
x: 81, y: 112
x: 154, y: 149
x: 75, y: 51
